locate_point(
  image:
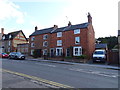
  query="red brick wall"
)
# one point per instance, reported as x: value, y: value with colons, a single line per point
x: 91, y: 40
x: 87, y: 40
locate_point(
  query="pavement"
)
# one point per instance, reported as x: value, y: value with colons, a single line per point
x: 15, y: 81
x: 106, y: 66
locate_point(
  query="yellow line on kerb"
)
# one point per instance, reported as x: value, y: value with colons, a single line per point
x: 39, y: 79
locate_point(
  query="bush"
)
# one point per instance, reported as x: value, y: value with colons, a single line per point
x: 68, y: 57
x: 35, y: 55
x: 81, y: 57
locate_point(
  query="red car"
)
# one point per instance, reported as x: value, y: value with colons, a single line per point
x: 4, y: 55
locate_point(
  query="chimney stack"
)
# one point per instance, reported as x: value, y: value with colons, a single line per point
x: 69, y: 23
x: 2, y: 31
x: 36, y: 28
x: 89, y: 18
x: 55, y: 26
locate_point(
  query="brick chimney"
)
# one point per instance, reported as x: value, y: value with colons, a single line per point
x: 36, y: 28
x: 89, y: 18
x: 69, y: 23
x: 2, y: 31
x: 55, y: 26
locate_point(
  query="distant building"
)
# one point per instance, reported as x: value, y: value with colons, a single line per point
x: 1, y: 34
x: 10, y: 40
x: 71, y: 40
x: 23, y: 48
x: 101, y: 46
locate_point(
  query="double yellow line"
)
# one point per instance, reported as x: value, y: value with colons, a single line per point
x: 39, y: 79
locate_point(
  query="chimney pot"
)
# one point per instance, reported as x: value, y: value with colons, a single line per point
x: 55, y: 26
x: 69, y: 23
x: 2, y: 30
x: 89, y: 18
x: 36, y: 28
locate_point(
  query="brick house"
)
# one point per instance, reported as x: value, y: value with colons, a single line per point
x: 10, y: 40
x: 71, y: 40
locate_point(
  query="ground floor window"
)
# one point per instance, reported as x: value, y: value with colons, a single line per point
x: 59, y: 51
x: 45, y: 52
x: 77, y: 51
x: 32, y: 51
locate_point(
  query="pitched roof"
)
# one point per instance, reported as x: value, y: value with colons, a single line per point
x: 42, y: 31
x: 100, y: 46
x: 118, y: 32
x: 61, y: 29
x: 13, y: 35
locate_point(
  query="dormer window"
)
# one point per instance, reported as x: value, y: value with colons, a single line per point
x: 45, y: 37
x: 77, y: 31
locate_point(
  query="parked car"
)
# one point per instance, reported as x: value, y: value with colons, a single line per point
x: 4, y: 55
x: 99, y: 56
x: 16, y: 55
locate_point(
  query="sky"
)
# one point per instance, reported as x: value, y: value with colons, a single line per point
x: 26, y: 14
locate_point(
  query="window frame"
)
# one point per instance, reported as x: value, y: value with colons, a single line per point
x: 59, y: 43
x: 32, y: 38
x: 44, y: 36
x: 59, y: 34
x: 76, y: 31
x: 44, y: 51
x: 60, y: 53
x: 44, y: 44
x: 32, y: 51
x: 32, y: 44
x: 79, y: 52
x: 77, y: 40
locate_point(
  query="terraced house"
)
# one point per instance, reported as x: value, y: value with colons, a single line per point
x: 71, y: 40
x: 10, y: 40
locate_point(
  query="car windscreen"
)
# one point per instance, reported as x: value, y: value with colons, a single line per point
x: 18, y: 53
x: 98, y: 52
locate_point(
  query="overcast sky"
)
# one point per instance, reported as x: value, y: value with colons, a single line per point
x: 20, y: 15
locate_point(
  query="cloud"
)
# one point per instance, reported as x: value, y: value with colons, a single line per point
x: 10, y: 10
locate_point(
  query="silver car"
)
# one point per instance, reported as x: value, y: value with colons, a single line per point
x: 16, y: 55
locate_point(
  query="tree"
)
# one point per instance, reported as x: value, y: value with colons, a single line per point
x: 111, y: 41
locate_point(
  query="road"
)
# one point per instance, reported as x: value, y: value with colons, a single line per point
x: 75, y: 76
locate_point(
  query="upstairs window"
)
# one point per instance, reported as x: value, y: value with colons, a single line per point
x: 77, y: 40
x: 3, y: 37
x: 77, y: 31
x: 59, y: 34
x: 59, y: 42
x: 45, y: 43
x: 33, y: 38
x: 45, y: 37
x: 32, y: 45
x: 10, y: 36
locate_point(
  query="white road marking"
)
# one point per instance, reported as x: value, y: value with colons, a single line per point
x: 95, y: 72
x: 46, y: 65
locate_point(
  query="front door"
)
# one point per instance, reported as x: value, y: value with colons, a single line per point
x: 52, y: 52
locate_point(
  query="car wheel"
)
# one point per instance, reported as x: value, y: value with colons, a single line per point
x: 15, y: 57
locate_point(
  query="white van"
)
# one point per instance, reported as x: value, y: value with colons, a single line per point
x: 99, y: 56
